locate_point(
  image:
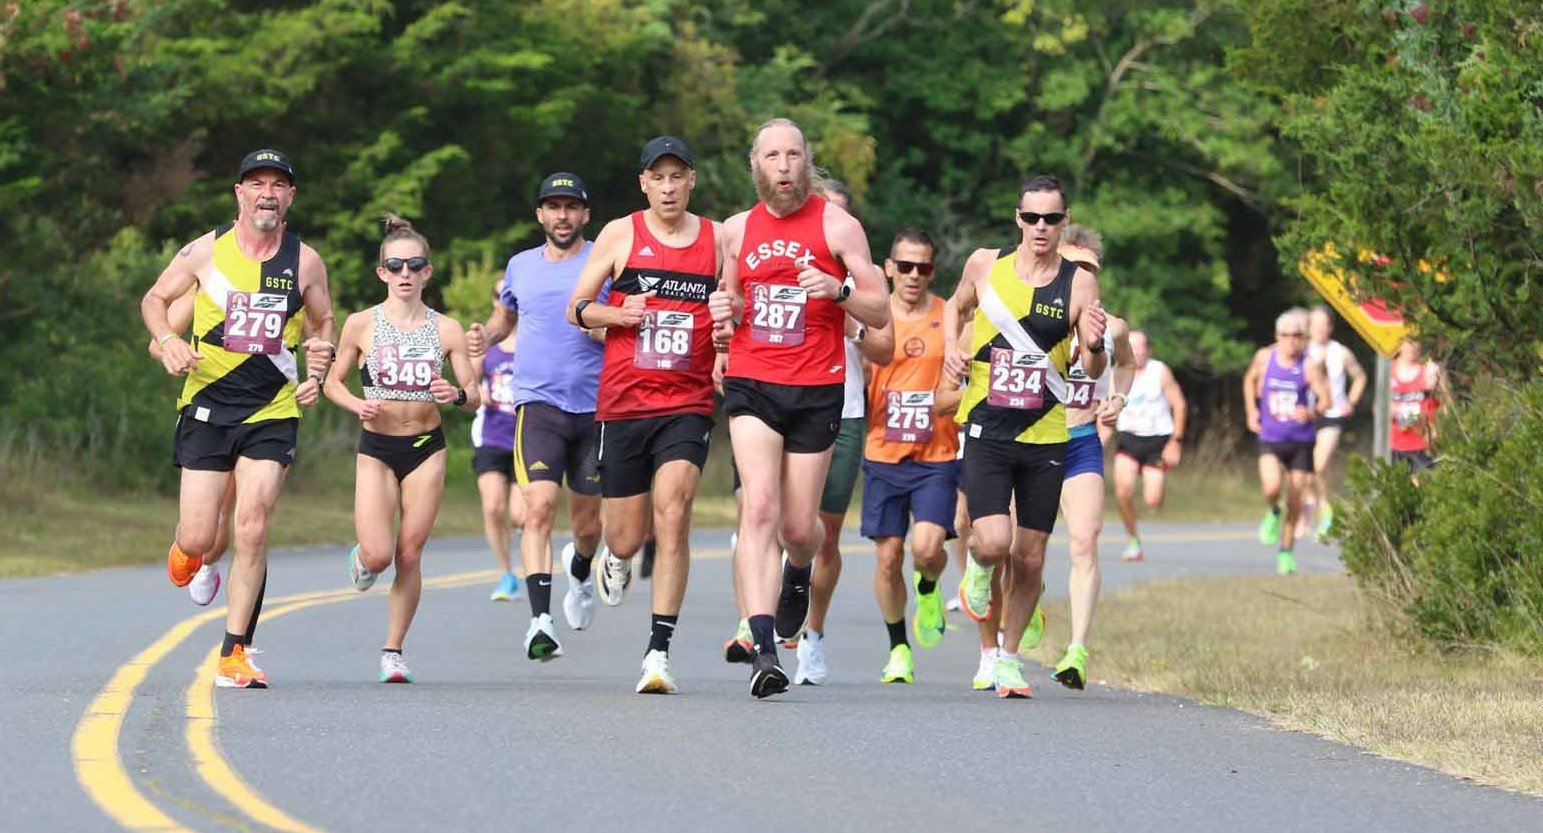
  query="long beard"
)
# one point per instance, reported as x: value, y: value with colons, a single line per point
x: 784, y: 202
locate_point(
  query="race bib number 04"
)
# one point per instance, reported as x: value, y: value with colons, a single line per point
x: 908, y: 416
x: 1017, y: 379
x: 777, y: 314
x: 408, y: 367
x: 664, y: 340
x: 254, y: 323
x: 1079, y: 393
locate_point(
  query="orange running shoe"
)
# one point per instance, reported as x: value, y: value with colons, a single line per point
x: 236, y: 671
x: 181, y: 567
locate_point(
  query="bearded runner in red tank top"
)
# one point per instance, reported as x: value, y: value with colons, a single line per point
x: 656, y: 387
x: 793, y: 267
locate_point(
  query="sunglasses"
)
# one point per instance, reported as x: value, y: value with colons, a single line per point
x: 1291, y: 335
x: 1029, y: 218
x: 413, y: 264
x: 906, y: 267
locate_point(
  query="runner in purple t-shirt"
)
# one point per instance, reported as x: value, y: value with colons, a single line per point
x: 556, y: 378
x: 492, y: 438
x: 1275, y: 394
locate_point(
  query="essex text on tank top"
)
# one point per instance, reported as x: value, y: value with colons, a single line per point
x: 1007, y: 397
x: 1284, y: 389
x: 247, y: 328
x: 905, y: 425
x: 494, y: 424
x: 557, y: 363
x: 786, y: 337
x: 1411, y: 408
x: 1147, y: 412
x: 664, y: 365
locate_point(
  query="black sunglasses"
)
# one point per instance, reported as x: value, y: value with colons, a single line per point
x: 906, y: 267
x: 413, y: 264
x: 1029, y: 218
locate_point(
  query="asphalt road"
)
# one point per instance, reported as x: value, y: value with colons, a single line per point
x: 100, y: 735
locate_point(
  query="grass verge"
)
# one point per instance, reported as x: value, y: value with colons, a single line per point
x: 1309, y: 654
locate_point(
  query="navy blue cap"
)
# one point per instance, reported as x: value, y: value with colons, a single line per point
x: 662, y: 146
x: 266, y: 158
x: 562, y: 184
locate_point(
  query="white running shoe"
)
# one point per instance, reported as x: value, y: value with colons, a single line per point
x: 656, y: 677
x: 363, y: 579
x: 205, y: 585
x: 986, y: 673
x: 541, y: 639
x: 612, y: 577
x: 811, y: 661
x: 393, y: 669
x: 579, y: 601
x: 952, y: 605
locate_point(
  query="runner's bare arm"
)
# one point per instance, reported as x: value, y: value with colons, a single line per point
x: 1180, y: 407
x: 877, y: 344
x: 1358, y: 379
x: 869, y: 301
x: 947, y: 396
x: 319, y: 320
x: 501, y: 322
x: 606, y: 259
x: 453, y: 338
x: 1318, y: 380
x: 1090, y: 320
x: 1124, y: 362
x: 175, y: 280
x: 727, y: 303
x: 350, y: 348
x: 1251, y: 382
x: 961, y: 309
x: 179, y: 316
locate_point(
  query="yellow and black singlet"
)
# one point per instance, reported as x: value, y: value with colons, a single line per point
x: 247, y: 328
x: 1007, y: 398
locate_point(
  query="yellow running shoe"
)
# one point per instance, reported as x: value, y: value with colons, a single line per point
x: 901, y: 668
x: 1034, y: 632
x: 929, y: 622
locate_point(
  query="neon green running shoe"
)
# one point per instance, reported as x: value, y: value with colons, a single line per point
x: 975, y: 589
x: 901, y: 668
x: 1325, y: 522
x: 929, y: 622
x: 1285, y: 563
x: 1269, y: 528
x: 1071, y: 671
x: 1009, y: 678
x: 1034, y: 632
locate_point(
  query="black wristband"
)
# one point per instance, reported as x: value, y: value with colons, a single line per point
x: 460, y: 397
x: 578, y: 313
x: 1099, y: 345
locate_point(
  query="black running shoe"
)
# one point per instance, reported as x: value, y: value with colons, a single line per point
x: 768, y: 678
x: 792, y: 609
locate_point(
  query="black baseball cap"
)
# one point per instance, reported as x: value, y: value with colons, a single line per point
x: 662, y: 146
x: 562, y: 184
x: 266, y: 158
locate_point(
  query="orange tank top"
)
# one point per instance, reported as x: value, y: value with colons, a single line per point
x: 903, y: 423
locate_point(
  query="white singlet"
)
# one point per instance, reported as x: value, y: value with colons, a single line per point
x: 855, y: 394
x: 1333, y: 357
x: 1146, y: 413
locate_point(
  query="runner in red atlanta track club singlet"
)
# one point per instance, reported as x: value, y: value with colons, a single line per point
x: 664, y: 365
x: 787, y: 338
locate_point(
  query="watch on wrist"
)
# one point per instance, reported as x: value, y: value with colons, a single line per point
x: 460, y: 397
x: 844, y: 292
x: 1099, y: 348
x: 578, y: 313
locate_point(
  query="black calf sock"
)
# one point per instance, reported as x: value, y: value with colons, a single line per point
x: 660, y: 632
x: 257, y: 611
x: 579, y: 569
x: 540, y: 585
x: 926, y: 585
x: 896, y: 633
x: 761, y: 627
x: 230, y: 643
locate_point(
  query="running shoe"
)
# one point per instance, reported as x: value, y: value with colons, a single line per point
x: 1133, y: 551
x: 236, y: 671
x: 929, y: 622
x: 1269, y: 528
x: 508, y: 588
x: 986, y: 672
x: 1034, y: 632
x: 767, y: 677
x: 792, y: 609
x: 393, y: 669
x: 975, y: 590
x: 742, y: 647
x: 579, y: 601
x: 953, y: 605
x: 613, y: 577
x: 901, y: 667
x: 656, y: 677
x: 1285, y: 563
x: 1009, y: 678
x: 1071, y: 671
x: 181, y: 567
x: 811, y: 660
x: 205, y: 585
x: 1325, y: 522
x: 363, y: 579
x: 541, y: 641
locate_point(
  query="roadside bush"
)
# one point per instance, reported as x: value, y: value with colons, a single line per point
x: 1460, y: 556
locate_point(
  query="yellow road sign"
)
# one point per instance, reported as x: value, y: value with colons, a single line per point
x: 1380, y: 325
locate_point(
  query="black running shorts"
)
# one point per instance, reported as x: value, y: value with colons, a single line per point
x: 995, y: 472
x: 633, y: 450
x: 404, y: 453
x: 553, y: 445
x: 807, y: 416
x: 1295, y: 456
x: 489, y: 459
x: 200, y: 446
x: 1148, y: 451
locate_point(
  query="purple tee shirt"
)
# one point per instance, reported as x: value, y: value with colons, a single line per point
x: 494, y: 425
x: 557, y: 363
x: 1284, y: 389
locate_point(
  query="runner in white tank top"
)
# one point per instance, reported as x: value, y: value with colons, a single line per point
x: 1149, y: 439
x: 1347, y: 382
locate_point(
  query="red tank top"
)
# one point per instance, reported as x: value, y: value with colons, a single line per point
x: 1411, y: 410
x: 664, y: 365
x: 787, y: 338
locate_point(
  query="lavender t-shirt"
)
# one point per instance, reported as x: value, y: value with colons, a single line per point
x: 557, y: 363
x: 1284, y: 389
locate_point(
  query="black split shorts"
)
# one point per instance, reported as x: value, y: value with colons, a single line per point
x: 404, y: 453
x: 995, y: 472
x: 807, y: 416
x: 1147, y: 451
x: 1295, y: 456
x: 633, y: 450
x: 200, y: 446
